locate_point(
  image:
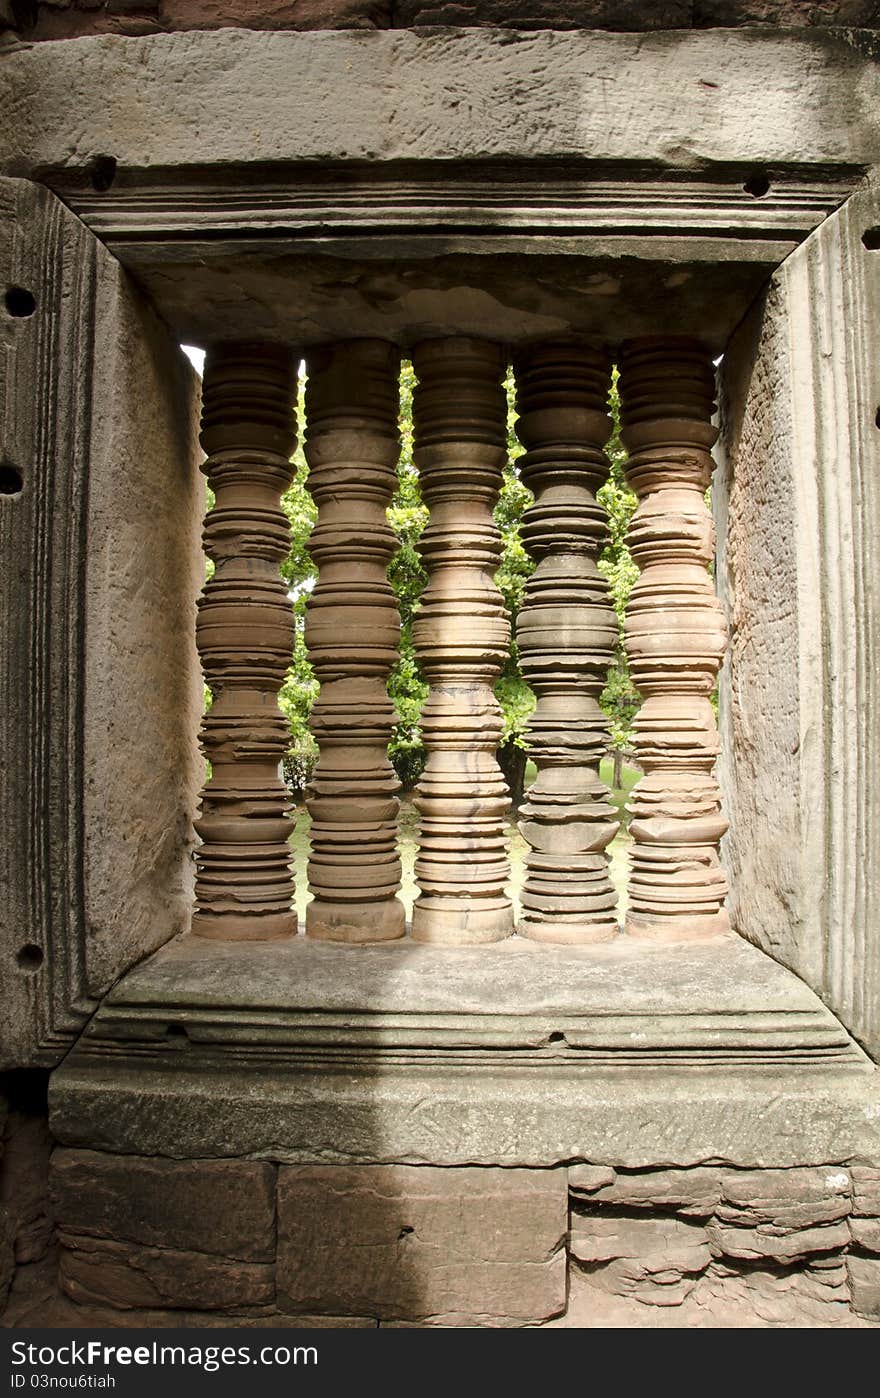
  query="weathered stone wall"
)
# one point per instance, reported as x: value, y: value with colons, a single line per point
x: 63, y: 19
x: 799, y: 512
x: 391, y: 1242
x: 798, y: 1245
x: 171, y: 1242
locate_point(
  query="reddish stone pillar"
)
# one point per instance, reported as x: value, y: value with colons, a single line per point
x: 461, y: 635
x: 244, y: 887
x: 566, y: 632
x: 675, y: 634
x: 352, y: 632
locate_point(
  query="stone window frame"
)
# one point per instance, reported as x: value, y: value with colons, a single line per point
x: 151, y: 195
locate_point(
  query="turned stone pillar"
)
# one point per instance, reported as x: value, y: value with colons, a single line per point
x: 352, y: 631
x: 675, y: 635
x: 566, y: 632
x: 461, y: 635
x: 245, y: 636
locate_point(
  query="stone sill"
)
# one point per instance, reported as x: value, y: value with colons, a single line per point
x: 513, y: 1054
x: 723, y: 1000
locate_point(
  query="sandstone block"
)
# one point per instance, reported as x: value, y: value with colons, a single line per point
x: 547, y: 14
x: 864, y: 1285
x: 785, y: 13
x: 415, y: 1242
x: 866, y: 1191
x: 221, y: 1207
x: 689, y: 1191
x: 657, y: 1260
x: 586, y: 1179
x: 623, y: 15
x: 767, y: 1242
x: 127, y: 1276
x: 796, y: 1299
x: 785, y: 1200
x: 865, y: 1234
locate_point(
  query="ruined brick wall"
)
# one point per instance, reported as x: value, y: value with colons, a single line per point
x: 63, y: 19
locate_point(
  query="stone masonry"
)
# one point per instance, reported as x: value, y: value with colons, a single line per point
x: 672, y: 1124
x: 151, y: 1237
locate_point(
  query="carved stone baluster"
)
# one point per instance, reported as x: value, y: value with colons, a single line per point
x: 352, y: 631
x: 245, y: 637
x: 461, y: 634
x: 566, y: 633
x: 675, y: 635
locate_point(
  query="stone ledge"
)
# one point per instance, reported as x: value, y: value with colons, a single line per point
x: 513, y: 1054
x: 436, y: 1115
x: 624, y: 1001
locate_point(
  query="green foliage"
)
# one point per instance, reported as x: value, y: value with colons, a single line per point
x: 300, y: 688
x: 513, y: 694
x: 620, y: 699
x: 408, y: 517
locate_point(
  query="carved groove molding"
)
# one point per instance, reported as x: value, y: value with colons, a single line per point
x: 46, y: 368
x: 245, y: 636
x: 566, y: 633
x: 352, y: 631
x: 675, y: 636
x: 149, y: 211
x: 461, y: 635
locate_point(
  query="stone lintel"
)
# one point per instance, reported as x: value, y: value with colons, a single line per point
x: 241, y: 173
x: 671, y: 100
x: 411, y: 287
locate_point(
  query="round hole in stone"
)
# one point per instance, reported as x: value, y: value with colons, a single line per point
x: 757, y: 185
x: 871, y: 238
x: 19, y: 301
x: 556, y: 1038
x: 11, y: 482
x: 30, y: 957
x: 102, y: 172
x: 877, y: 418
x: 176, y: 1031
